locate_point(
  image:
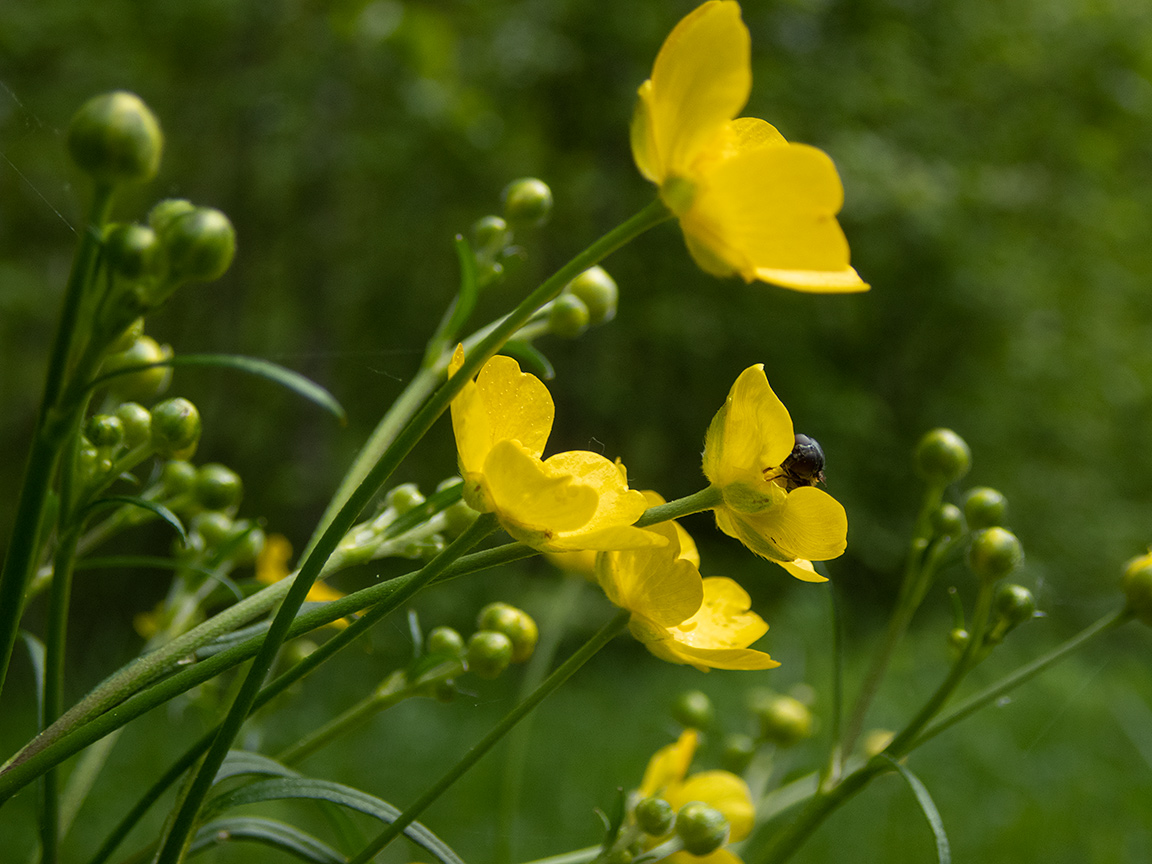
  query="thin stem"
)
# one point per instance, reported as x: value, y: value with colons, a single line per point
x: 705, y: 499
x: 49, y: 437
x: 836, y: 755
x: 550, y: 684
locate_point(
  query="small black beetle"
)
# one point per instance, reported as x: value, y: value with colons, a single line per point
x: 805, y: 464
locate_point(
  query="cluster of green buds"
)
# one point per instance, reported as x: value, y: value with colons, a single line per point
x: 208, y: 497
x: 407, y: 525
x: 504, y: 635
x: 697, y: 828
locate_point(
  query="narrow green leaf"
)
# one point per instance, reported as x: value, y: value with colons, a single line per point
x: 266, y: 369
x: 239, y: 762
x: 924, y: 799
x: 268, y: 831
x: 36, y: 657
x: 133, y: 501
x: 334, y: 793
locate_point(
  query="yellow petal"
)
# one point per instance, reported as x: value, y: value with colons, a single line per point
x: 582, y: 562
x: 688, y: 550
x: 669, y: 764
x: 811, y: 525
x: 272, y: 562
x: 700, y: 81
x: 532, y: 498
x: 803, y: 570
x: 753, y: 431
x: 618, y: 505
x: 725, y: 792
x: 654, y: 582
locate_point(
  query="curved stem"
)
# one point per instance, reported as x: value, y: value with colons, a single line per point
x: 697, y: 502
x: 550, y: 684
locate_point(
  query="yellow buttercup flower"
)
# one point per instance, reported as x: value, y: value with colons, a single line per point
x: 570, y: 501
x: 764, y: 508
x: 665, y: 777
x: 749, y: 202
x: 679, y: 616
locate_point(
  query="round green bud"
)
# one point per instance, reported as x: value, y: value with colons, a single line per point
x: 1014, y: 604
x: 105, y: 431
x: 568, y: 316
x: 527, y: 201
x: 784, y: 720
x: 127, y: 337
x: 215, y: 527
x: 599, y: 293
x: 942, y: 456
x: 218, y: 487
x: 147, y: 383
x: 489, y: 653
x: 737, y: 753
x: 958, y: 639
x: 163, y: 213
x: 693, y: 710
x: 444, y: 640
x: 994, y: 553
x: 616, y: 856
x: 654, y: 816
x: 115, y: 138
x: 177, y: 477
x: 1137, y: 585
x: 514, y: 623
x: 985, y: 507
x: 198, y: 245
x: 702, y: 828
x: 458, y: 518
x: 948, y: 521
x: 490, y: 234
x: 89, y: 464
x: 137, y: 422
x: 251, y: 541
x: 131, y: 250
x: 175, y: 426
x: 404, y: 498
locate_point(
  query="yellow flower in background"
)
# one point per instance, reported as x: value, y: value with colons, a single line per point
x: 764, y: 508
x: 749, y: 202
x: 570, y: 501
x: 272, y: 566
x: 665, y: 777
x: 680, y: 617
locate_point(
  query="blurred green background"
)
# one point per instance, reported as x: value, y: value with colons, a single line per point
x: 997, y: 160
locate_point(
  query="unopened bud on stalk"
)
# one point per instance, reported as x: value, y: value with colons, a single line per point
x: 130, y: 250
x: 218, y: 487
x: 198, y: 245
x: 958, y: 639
x: 568, y: 316
x: 942, y: 456
x: 177, y: 477
x: 104, y: 431
x: 489, y: 653
x: 994, y: 553
x: 175, y: 427
x: 702, y: 828
x: 514, y: 623
x: 137, y: 422
x: 127, y: 337
x: 115, y: 138
x: 527, y: 201
x: 599, y: 292
x: 163, y: 213
x: 404, y: 498
x: 693, y: 710
x: 147, y: 383
x: 985, y: 507
x: 948, y: 521
x: 654, y: 816
x: 1014, y: 604
x: 1137, y: 585
x: 490, y: 235
x: 783, y: 720
x: 251, y: 541
x: 444, y: 640
x: 214, y: 527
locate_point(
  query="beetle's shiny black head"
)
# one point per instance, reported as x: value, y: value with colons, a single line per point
x: 805, y: 464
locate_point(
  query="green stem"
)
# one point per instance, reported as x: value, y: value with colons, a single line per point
x: 550, y: 684
x: 48, y: 439
x: 705, y: 499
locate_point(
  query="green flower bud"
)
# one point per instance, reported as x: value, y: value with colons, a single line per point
x: 783, y: 720
x: 489, y: 653
x: 131, y: 250
x: 404, y: 498
x: 127, y: 337
x: 137, y: 422
x: 568, y: 316
x: 737, y: 753
x: 514, y: 623
x: 163, y: 213
x: 527, y: 201
x: 251, y: 541
x: 948, y: 521
x: 598, y: 291
x: 490, y: 235
x: 198, y: 245
x: 175, y: 426
x: 994, y: 553
x: 1137, y: 585
x: 702, y: 828
x: 105, y: 431
x: 90, y: 465
x: 177, y: 477
x: 143, y: 385
x: 942, y: 456
x: 458, y: 518
x: 214, y: 527
x: 693, y: 710
x: 616, y: 856
x: 655, y: 816
x: 218, y: 487
x: 984, y: 507
x: 958, y: 639
x: 115, y: 138
x: 1014, y: 604
x: 444, y: 640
